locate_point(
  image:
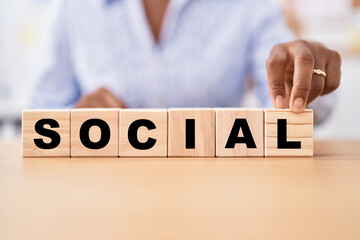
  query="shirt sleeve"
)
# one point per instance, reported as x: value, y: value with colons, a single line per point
x: 268, y: 30
x: 57, y: 86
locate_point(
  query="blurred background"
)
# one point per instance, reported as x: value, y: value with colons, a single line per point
x: 336, y: 23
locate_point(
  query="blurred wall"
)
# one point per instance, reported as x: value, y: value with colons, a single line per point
x: 22, y: 24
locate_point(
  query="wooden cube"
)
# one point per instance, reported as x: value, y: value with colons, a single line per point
x: 95, y: 132
x: 46, y: 133
x: 239, y: 132
x: 288, y: 133
x: 191, y: 133
x: 143, y: 133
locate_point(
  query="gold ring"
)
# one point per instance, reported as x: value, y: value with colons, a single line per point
x: 319, y: 72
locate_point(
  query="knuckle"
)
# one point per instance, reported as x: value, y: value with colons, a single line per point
x: 278, y: 47
x: 302, y: 87
x: 275, y: 61
x: 278, y: 57
x: 301, y: 42
x: 335, y: 55
x: 318, y: 45
x: 322, y: 52
x: 305, y: 56
x: 277, y: 88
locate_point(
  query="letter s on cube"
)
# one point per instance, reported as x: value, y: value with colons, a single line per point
x: 46, y: 133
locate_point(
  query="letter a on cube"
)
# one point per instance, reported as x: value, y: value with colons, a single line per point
x: 239, y: 132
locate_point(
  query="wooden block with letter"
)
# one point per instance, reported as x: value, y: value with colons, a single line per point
x: 191, y: 133
x: 239, y: 132
x: 46, y: 133
x: 95, y: 132
x: 143, y: 133
x: 288, y: 133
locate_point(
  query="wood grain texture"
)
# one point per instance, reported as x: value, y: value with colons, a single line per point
x: 295, y: 198
x: 79, y: 116
x: 159, y: 117
x: 225, y: 118
x: 29, y: 119
x: 204, y: 132
x: 299, y: 128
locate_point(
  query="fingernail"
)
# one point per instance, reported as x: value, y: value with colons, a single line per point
x: 280, y: 102
x: 299, y: 105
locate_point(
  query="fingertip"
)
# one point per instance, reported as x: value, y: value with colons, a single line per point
x: 298, y: 106
x: 280, y: 102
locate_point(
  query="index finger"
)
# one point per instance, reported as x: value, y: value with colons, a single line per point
x: 275, y: 67
x: 303, y: 72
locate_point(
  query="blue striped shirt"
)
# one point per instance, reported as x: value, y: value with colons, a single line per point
x: 207, y: 48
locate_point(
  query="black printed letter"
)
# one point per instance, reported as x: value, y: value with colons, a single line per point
x: 132, y: 134
x: 84, y: 133
x: 54, y: 136
x: 190, y: 133
x: 282, y: 136
x: 234, y: 134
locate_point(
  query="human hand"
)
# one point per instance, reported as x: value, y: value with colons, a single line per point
x: 101, y: 98
x: 292, y: 82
